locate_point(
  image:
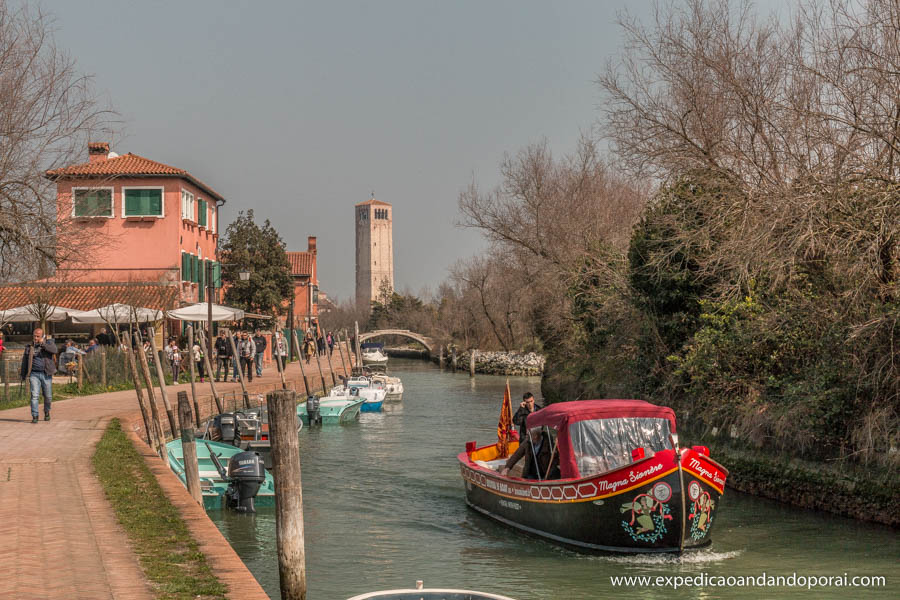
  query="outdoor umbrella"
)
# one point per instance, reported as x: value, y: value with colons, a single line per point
x: 200, y: 312
x: 32, y: 312
x: 117, y: 313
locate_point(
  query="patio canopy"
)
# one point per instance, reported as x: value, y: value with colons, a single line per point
x: 117, y: 313
x: 200, y: 312
x: 31, y: 313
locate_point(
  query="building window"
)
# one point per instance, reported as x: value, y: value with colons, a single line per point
x: 92, y: 202
x: 201, y: 212
x: 143, y: 202
x: 364, y: 214
x: 381, y: 213
x: 187, y: 205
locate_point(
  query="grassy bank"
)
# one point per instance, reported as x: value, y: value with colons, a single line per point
x: 168, y: 555
x: 61, y: 391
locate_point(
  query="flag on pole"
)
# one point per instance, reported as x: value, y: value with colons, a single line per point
x: 505, y: 427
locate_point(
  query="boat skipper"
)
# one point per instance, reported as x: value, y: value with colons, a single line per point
x: 38, y: 368
x: 541, y: 459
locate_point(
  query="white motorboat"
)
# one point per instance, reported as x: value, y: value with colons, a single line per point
x: 360, y: 387
x: 392, y: 386
x: 374, y: 356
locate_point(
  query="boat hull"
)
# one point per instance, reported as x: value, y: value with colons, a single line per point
x: 333, y: 412
x: 653, y: 505
x: 374, y: 406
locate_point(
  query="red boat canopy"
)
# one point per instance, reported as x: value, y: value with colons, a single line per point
x: 613, y: 442
x: 559, y: 415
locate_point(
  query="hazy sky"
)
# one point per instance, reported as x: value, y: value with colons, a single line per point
x: 300, y: 110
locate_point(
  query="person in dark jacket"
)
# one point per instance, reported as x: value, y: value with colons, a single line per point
x: 541, y: 458
x: 526, y: 407
x: 223, y: 354
x: 38, y: 368
x: 260, y: 341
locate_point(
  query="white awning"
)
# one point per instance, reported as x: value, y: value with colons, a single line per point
x: 31, y: 313
x: 117, y: 313
x: 200, y: 312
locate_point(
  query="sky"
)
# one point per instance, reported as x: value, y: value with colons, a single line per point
x: 300, y: 110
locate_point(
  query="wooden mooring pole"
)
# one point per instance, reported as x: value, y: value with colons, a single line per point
x: 240, y: 369
x: 441, y: 357
x: 472, y: 353
x: 278, y: 358
x: 190, y: 333
x: 453, y: 358
x: 357, y: 344
x: 206, y: 361
x: 161, y: 376
x: 149, y: 426
x: 103, y: 350
x: 151, y: 397
x: 189, y: 448
x: 289, y: 542
x: 341, y: 353
x: 321, y: 374
x: 300, y: 361
x: 328, y: 352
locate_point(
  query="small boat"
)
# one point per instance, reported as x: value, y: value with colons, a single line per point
x: 360, y: 387
x: 422, y: 593
x: 624, y: 484
x: 373, y: 354
x: 247, y: 429
x: 392, y: 386
x: 231, y: 486
x: 329, y: 411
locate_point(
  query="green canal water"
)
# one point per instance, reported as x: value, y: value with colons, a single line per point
x: 384, y: 506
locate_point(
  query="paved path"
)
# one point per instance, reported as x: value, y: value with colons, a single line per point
x: 59, y: 537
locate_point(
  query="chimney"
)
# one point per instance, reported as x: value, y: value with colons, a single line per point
x: 98, y: 151
x: 311, y: 245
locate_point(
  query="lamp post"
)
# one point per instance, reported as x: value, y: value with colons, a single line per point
x: 244, y: 274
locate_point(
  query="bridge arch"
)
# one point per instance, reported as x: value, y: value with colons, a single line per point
x: 425, y: 341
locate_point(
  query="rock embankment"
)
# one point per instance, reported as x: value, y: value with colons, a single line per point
x: 500, y: 363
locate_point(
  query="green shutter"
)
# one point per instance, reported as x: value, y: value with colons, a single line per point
x: 196, y: 260
x: 141, y: 203
x: 185, y: 267
x: 201, y: 289
x: 93, y: 203
x: 201, y: 215
x: 217, y: 275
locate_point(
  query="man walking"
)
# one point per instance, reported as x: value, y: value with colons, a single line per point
x: 260, y: 341
x: 223, y: 355
x: 247, y: 351
x: 38, y: 368
x: 526, y: 407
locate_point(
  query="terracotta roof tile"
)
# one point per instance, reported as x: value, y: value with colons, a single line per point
x: 373, y: 202
x: 301, y: 263
x: 87, y: 296
x: 124, y: 166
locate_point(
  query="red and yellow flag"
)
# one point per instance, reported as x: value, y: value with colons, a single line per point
x: 505, y: 427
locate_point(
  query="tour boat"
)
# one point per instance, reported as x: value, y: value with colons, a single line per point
x: 625, y: 485
x: 329, y: 411
x: 220, y: 484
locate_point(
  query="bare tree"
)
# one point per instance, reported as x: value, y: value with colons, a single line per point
x: 48, y: 113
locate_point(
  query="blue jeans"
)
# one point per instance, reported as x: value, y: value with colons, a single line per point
x: 259, y: 363
x: 40, y: 382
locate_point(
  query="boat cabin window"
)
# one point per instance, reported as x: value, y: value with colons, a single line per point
x: 603, y: 445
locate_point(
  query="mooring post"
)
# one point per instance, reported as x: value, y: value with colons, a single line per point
x: 189, y: 448
x: 321, y: 374
x: 240, y: 368
x: 441, y: 356
x: 190, y: 334
x: 289, y: 543
x: 472, y: 353
x: 278, y: 358
x: 6, y: 380
x: 154, y: 410
x: 341, y: 353
x: 302, y: 370
x: 328, y: 352
x: 149, y: 428
x: 160, y: 374
x: 103, y: 350
x: 206, y: 361
x: 80, y: 371
x: 453, y: 358
x: 357, y: 344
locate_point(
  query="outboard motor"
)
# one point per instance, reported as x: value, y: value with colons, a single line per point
x: 246, y: 473
x: 225, y: 424
x: 312, y: 410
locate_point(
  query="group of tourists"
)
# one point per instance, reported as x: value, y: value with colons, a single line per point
x: 245, y: 352
x: 317, y: 345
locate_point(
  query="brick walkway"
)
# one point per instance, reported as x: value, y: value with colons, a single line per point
x: 59, y: 537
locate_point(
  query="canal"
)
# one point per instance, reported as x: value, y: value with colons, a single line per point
x: 384, y: 506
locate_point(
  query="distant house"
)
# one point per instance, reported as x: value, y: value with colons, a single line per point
x: 145, y: 221
x: 304, y: 273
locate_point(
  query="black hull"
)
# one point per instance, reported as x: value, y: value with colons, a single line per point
x: 653, y: 505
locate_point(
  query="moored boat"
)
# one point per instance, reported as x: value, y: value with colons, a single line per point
x: 392, y: 386
x: 220, y: 489
x: 624, y: 485
x: 420, y: 592
x: 360, y: 387
x: 373, y: 353
x: 330, y: 411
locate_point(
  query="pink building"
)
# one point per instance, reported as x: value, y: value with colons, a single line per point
x: 142, y: 221
x: 304, y: 273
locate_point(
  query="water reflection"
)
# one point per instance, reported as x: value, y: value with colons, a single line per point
x: 384, y: 506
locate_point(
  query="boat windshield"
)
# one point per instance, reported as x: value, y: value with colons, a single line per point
x: 602, y: 445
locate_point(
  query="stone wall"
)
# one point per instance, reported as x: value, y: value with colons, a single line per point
x: 499, y: 363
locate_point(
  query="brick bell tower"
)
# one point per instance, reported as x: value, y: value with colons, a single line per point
x: 374, y: 249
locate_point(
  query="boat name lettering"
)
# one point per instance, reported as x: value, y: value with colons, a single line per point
x: 641, y: 474
x: 512, y: 505
x: 696, y: 464
x: 611, y: 485
x: 504, y: 488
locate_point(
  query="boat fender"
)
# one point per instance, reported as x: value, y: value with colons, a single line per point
x: 701, y: 450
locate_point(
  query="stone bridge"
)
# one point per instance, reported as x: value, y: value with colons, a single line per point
x: 425, y: 341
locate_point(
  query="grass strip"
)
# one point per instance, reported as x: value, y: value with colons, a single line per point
x: 61, y: 391
x: 170, y: 558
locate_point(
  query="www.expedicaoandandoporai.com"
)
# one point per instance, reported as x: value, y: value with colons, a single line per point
x: 763, y: 580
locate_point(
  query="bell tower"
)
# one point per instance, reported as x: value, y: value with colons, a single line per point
x: 374, y: 250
